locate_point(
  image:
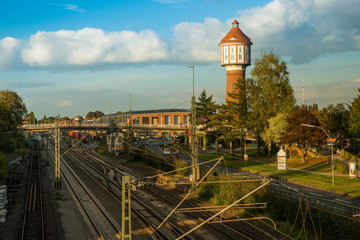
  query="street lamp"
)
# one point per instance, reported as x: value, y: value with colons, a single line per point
x: 195, y: 170
x: 332, y: 150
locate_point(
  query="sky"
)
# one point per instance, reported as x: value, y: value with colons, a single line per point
x: 70, y: 57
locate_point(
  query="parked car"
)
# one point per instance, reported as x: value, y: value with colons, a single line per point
x: 166, y: 151
x: 175, y: 155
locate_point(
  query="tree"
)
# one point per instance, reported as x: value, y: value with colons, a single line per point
x: 32, y: 119
x: 304, y: 137
x: 90, y: 115
x: 98, y: 114
x: 354, y: 117
x: 205, y: 107
x: 335, y: 119
x: 274, y: 132
x: 268, y: 92
x: 12, y: 111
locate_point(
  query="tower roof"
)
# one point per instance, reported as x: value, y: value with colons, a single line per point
x: 235, y: 35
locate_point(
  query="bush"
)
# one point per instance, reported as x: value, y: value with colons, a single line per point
x: 7, y: 144
x: 341, y: 167
x: 181, y: 164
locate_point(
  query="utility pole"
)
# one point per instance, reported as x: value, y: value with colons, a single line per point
x: 130, y: 130
x: 126, y: 208
x: 57, y: 183
x: 194, y: 160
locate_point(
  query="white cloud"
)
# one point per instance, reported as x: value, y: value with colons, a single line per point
x: 8, y: 48
x: 300, y: 30
x: 65, y: 103
x: 71, y: 7
x: 91, y: 46
x: 303, y: 29
x: 198, y: 42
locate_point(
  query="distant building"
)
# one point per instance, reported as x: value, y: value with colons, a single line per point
x: 151, y: 117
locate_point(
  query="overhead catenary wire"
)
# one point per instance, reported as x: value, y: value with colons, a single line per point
x: 161, y: 174
x: 225, y: 209
x: 190, y: 191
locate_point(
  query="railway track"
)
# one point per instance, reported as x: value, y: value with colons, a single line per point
x: 99, y: 220
x: 239, y: 230
x: 141, y: 210
x: 33, y: 219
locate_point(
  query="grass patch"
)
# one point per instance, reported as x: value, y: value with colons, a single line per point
x: 343, y: 185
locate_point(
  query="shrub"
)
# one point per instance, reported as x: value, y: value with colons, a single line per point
x: 181, y: 164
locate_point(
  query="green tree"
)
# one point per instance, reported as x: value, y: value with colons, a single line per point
x: 354, y: 117
x: 274, y: 132
x: 43, y: 120
x: 205, y: 107
x: 98, y: 114
x: 303, y: 136
x: 32, y: 119
x: 12, y: 111
x: 335, y: 119
x: 268, y: 92
x: 90, y: 115
x: 237, y: 110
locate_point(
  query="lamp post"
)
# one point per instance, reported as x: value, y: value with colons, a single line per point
x: 332, y: 150
x: 195, y: 170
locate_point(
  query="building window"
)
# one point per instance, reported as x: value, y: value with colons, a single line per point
x: 186, y: 119
x: 136, y: 120
x: 232, y: 54
x: 145, y: 120
x: 247, y: 58
x: 240, y: 54
x: 167, y: 120
x: 176, y: 120
x: 226, y: 60
x: 155, y: 120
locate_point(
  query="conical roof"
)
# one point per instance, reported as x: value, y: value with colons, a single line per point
x: 235, y: 35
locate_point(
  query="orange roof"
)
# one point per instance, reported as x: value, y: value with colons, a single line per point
x: 235, y: 35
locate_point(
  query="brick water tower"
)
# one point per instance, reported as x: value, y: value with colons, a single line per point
x: 235, y: 49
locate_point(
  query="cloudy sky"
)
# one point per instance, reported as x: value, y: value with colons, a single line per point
x: 72, y: 57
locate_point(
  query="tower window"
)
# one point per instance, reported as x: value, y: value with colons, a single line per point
x: 247, y: 57
x: 226, y: 60
x: 240, y: 54
x: 232, y: 54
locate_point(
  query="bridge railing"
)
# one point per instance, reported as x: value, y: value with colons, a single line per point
x: 105, y: 124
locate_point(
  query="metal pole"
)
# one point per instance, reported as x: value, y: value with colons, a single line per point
x: 225, y: 209
x: 332, y: 151
x: 57, y: 154
x: 195, y: 170
x: 332, y: 164
x: 126, y: 208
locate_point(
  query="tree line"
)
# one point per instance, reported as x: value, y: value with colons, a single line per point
x: 12, y: 111
x: 264, y: 106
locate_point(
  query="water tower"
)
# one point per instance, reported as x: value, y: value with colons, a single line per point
x: 235, y: 49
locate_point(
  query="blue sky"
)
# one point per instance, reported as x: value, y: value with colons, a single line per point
x: 72, y: 57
